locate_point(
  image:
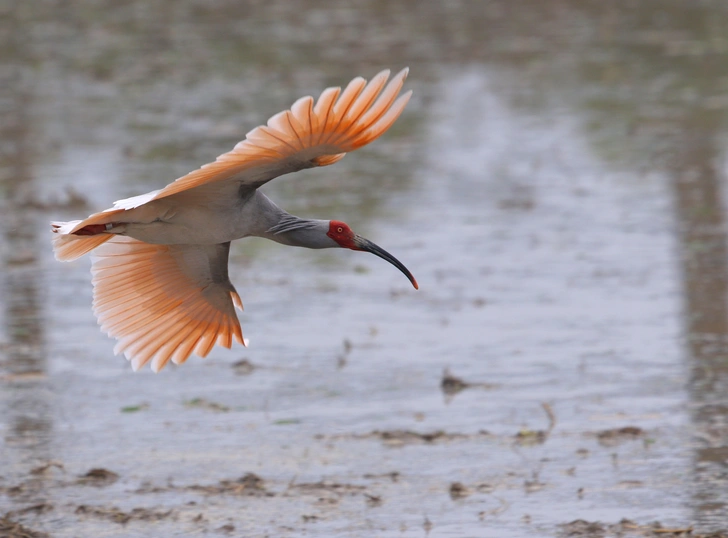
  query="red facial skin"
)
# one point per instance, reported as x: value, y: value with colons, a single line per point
x: 342, y: 234
x: 346, y: 238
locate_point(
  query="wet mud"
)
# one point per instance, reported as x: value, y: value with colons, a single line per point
x: 556, y: 185
x: 627, y: 528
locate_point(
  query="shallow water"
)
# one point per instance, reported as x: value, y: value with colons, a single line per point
x: 555, y: 185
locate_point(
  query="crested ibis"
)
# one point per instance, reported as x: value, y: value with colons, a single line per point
x: 160, y: 261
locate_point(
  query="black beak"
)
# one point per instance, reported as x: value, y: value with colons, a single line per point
x: 368, y: 246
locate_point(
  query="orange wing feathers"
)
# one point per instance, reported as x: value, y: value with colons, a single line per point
x: 158, y: 305
x: 307, y: 134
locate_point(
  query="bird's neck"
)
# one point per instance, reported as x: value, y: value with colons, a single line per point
x: 282, y: 227
x: 298, y: 232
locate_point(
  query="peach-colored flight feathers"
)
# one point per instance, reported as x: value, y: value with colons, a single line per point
x: 159, y: 301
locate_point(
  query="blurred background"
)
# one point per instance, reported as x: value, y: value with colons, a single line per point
x: 555, y: 185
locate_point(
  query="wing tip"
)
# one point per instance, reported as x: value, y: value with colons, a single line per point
x: 404, y: 98
x: 384, y: 73
x: 237, y: 301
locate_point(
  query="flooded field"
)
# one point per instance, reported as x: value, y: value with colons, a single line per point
x: 556, y: 185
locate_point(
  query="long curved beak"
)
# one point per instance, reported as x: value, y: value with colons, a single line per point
x: 368, y: 246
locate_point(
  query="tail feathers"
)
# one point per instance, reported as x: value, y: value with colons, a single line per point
x: 68, y: 247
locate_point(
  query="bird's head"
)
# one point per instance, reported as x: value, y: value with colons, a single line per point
x: 346, y: 238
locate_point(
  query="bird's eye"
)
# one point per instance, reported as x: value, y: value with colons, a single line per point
x: 339, y: 229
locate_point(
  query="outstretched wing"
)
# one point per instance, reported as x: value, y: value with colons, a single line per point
x: 305, y: 136
x: 164, y: 302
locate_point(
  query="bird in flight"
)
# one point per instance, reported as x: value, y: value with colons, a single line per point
x: 160, y: 261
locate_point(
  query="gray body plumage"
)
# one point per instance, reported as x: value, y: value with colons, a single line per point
x: 167, y: 222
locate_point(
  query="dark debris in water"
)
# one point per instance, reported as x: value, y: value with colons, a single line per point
x: 530, y: 437
x: 409, y: 437
x: 98, y: 477
x: 43, y: 469
x: 452, y: 385
x: 118, y: 516
x: 27, y: 489
x: 13, y: 529
x: 532, y: 486
x: 329, y: 493
x: 459, y: 491
x: 393, y: 476
x: 618, y: 435
x: 41, y: 477
x: 579, y: 527
x: 135, y: 408
x: 327, y: 486
x: 35, y: 509
x: 527, y: 437
x: 201, y: 403
x: 249, y: 484
x: 243, y: 367
x: 594, y: 529
x: 373, y: 501
x: 286, y: 421
x: 404, y: 437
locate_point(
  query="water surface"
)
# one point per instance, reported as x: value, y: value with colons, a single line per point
x: 555, y: 185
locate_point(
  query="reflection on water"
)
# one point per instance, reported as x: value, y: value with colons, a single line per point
x: 25, y: 407
x: 115, y: 98
x: 704, y: 256
x: 675, y: 117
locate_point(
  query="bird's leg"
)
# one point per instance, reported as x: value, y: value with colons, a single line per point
x: 95, y: 229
